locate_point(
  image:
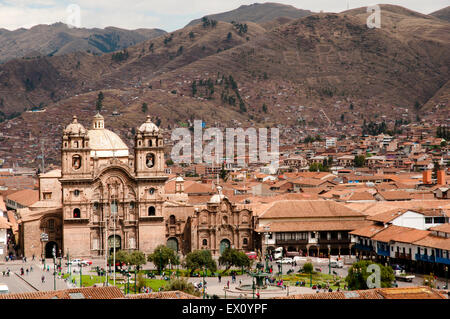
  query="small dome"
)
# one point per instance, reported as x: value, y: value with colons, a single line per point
x: 75, y: 127
x: 217, y: 198
x: 98, y: 122
x: 148, y: 126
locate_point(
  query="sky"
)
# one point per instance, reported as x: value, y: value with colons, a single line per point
x: 168, y: 15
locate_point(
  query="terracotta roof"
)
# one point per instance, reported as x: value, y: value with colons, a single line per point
x: 361, y: 196
x: 389, y: 233
x: 25, y: 197
x: 163, y: 295
x: 388, y: 216
x: 76, y: 293
x: 307, y: 208
x: 367, y: 231
x: 315, y: 225
x: 434, y: 242
x: 379, y: 293
x: 395, y: 195
x: 445, y: 228
x: 4, y: 224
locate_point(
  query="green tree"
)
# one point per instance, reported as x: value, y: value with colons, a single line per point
x: 144, y: 107
x: 359, y: 160
x: 141, y: 282
x: 198, y: 259
x: 358, y: 274
x: 181, y: 284
x: 232, y: 257
x: 137, y: 259
x: 99, y: 103
x: 122, y: 256
x: 194, y: 88
x: 161, y: 256
x: 264, y: 108
x: 308, y: 268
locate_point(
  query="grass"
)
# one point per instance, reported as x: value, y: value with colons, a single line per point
x: 317, y: 279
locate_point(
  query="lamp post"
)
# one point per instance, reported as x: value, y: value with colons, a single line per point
x: 446, y: 276
x: 54, y: 268
x: 329, y: 263
x: 68, y: 265
x: 128, y: 279
x: 135, y: 280
x: 81, y: 274
x: 203, y: 283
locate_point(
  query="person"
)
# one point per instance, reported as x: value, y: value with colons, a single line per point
x: 33, y: 257
x: 240, y: 282
x: 31, y: 268
x: 43, y: 279
x: 228, y: 284
x: 27, y: 271
x: 220, y: 278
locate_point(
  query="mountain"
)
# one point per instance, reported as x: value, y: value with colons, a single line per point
x: 443, y: 14
x: 299, y: 69
x: 58, y: 39
x: 258, y: 13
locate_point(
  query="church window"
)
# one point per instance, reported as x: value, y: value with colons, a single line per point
x: 76, y: 161
x: 114, y: 207
x: 151, y: 191
x: 150, y: 143
x: 76, y: 144
x: 245, y: 241
x: 96, y: 206
x: 172, y: 219
x: 65, y: 144
x: 150, y: 160
x: 205, y: 242
x: 139, y: 143
x: 76, y: 213
x: 51, y: 224
x: 151, y: 211
x: 48, y: 195
x: 131, y: 205
x: 76, y: 192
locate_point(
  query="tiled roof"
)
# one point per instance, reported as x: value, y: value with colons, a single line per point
x: 25, y: 197
x: 434, y: 242
x: 395, y: 195
x: 315, y: 225
x: 388, y: 233
x: 378, y: 293
x: 445, y: 228
x: 307, y: 208
x: 367, y: 231
x: 163, y: 295
x: 76, y: 293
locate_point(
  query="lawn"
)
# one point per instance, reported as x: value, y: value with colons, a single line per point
x: 317, y: 279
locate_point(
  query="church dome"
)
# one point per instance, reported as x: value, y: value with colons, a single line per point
x: 148, y: 126
x: 103, y: 142
x: 217, y: 198
x: 75, y: 127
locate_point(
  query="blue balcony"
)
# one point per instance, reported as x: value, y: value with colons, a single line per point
x: 442, y: 260
x: 382, y: 252
x: 426, y: 258
x: 363, y: 247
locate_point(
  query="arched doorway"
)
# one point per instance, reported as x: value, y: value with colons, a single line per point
x: 114, y: 240
x: 224, y: 244
x: 49, y: 249
x: 172, y: 243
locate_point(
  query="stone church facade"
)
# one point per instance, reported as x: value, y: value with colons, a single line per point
x: 105, y: 197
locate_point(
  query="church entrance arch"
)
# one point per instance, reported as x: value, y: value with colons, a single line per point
x: 114, y: 240
x: 224, y: 244
x: 49, y: 249
x: 172, y: 243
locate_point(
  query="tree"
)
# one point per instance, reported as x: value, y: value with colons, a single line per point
x: 358, y: 274
x: 99, y: 103
x: 359, y: 160
x: 137, y: 259
x: 144, y: 107
x: 229, y: 36
x: 122, y: 257
x: 161, y: 256
x: 308, y: 268
x: 181, y: 284
x: 141, y: 282
x: 232, y: 257
x: 191, y: 35
x: 264, y: 108
x: 198, y: 259
x: 194, y: 88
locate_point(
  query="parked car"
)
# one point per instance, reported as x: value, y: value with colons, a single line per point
x: 4, y: 289
x: 285, y: 260
x: 252, y: 255
x: 86, y: 262
x: 74, y: 262
x: 336, y: 264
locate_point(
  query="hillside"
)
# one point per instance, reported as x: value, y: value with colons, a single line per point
x: 326, y: 72
x: 258, y: 13
x: 443, y: 14
x: 58, y: 39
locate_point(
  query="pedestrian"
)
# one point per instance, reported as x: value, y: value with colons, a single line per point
x: 228, y: 284
x: 31, y: 268
x: 27, y: 271
x: 220, y: 277
x: 240, y: 282
x: 43, y: 279
x: 33, y: 256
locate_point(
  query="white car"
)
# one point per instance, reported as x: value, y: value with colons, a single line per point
x: 285, y: 260
x: 336, y: 264
x: 74, y: 262
x: 4, y: 289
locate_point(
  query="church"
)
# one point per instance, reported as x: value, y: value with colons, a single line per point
x: 106, y: 197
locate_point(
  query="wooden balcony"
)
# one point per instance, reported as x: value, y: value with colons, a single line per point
x: 403, y: 255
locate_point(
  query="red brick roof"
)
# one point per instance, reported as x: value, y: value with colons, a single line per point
x: 76, y: 293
